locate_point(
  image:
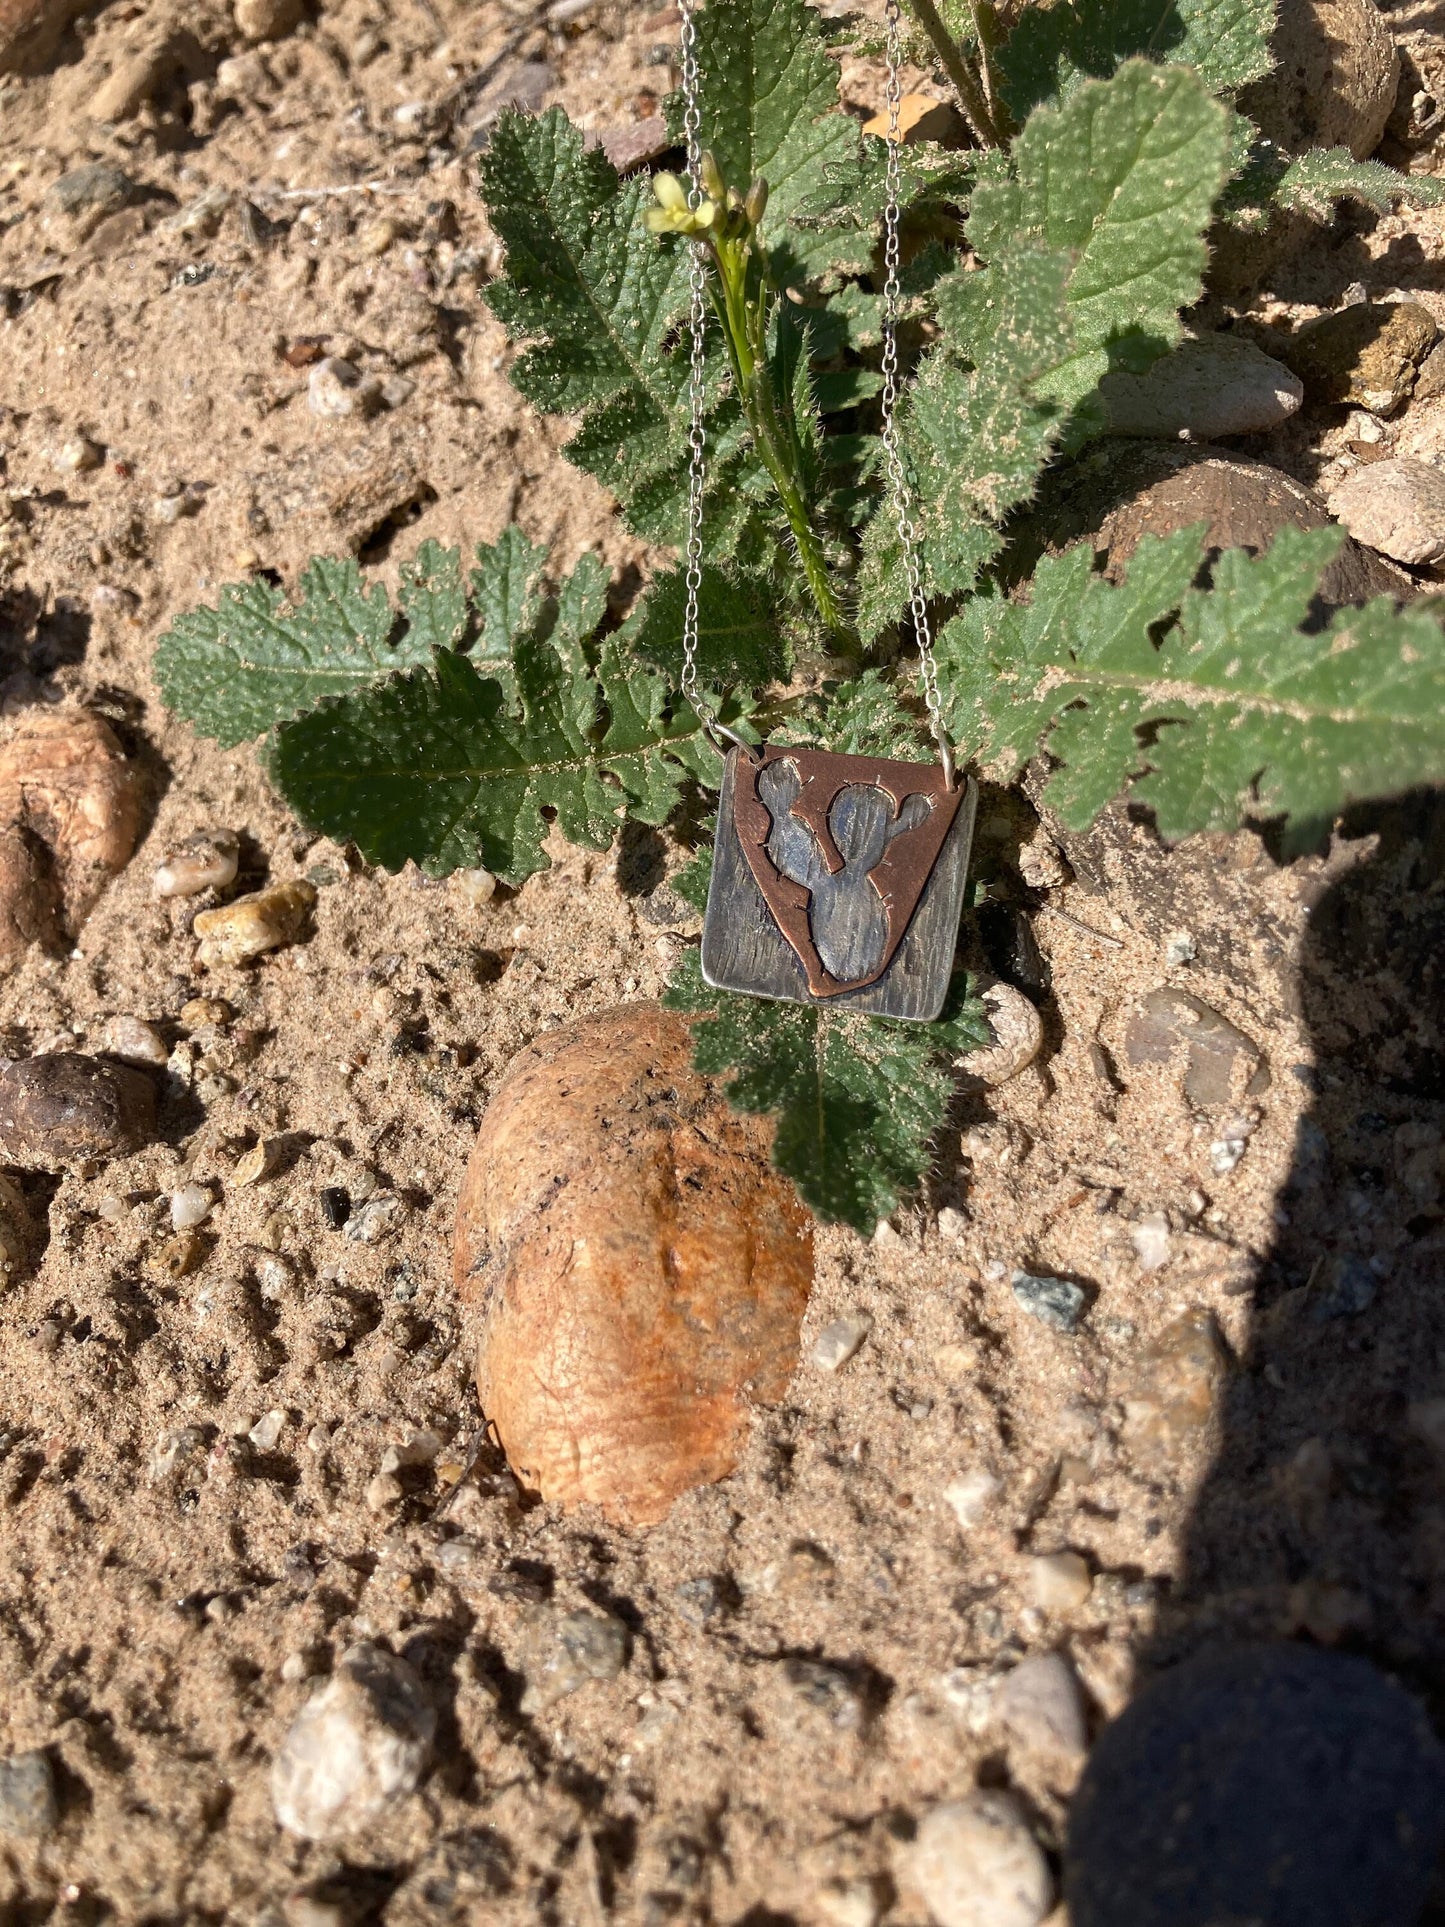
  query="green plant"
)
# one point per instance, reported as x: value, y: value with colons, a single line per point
x: 1067, y: 243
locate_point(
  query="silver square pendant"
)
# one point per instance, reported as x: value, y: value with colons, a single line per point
x: 837, y: 881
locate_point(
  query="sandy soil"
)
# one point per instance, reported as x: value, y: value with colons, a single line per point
x: 167, y: 1587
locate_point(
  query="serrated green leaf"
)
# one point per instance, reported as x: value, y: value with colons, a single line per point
x: 236, y: 670
x: 858, y: 1100
x: 1122, y: 177
x: 769, y: 100
x: 692, y: 881
x: 738, y: 640
x: 442, y: 768
x: 1235, y: 714
x: 1053, y: 49
x: 598, y: 298
x: 974, y: 440
x: 863, y: 717
x: 433, y: 599
x: 506, y: 586
x: 1269, y: 181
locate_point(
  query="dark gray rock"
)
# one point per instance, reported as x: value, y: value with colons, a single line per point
x: 1274, y: 1784
x: 1056, y: 1301
x: 64, y: 1108
x: 96, y: 188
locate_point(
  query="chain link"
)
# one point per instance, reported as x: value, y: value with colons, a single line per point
x: 893, y: 459
x: 697, y: 323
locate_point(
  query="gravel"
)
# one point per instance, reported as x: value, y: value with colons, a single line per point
x: 357, y: 1747
x: 975, y: 1863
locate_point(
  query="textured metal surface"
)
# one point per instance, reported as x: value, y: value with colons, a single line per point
x: 837, y: 880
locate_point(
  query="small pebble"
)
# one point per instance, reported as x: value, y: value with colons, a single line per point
x: 1396, y: 506
x: 1221, y: 1063
x: 134, y: 1040
x: 29, y: 1809
x: 1151, y: 1242
x: 62, y: 1108
x: 976, y: 1864
x: 267, y: 19
x: 701, y: 1600
x: 1215, y: 385
x: 1018, y: 1037
x: 378, y: 1219
x: 827, y: 1690
x: 384, y: 1492
x: 78, y: 457
x: 1054, y: 1301
x: 952, y: 1225
x: 1176, y: 1386
x: 257, y: 1163
x: 416, y: 1449
x: 98, y: 187
x: 239, y: 932
x: 267, y: 1430
x: 357, y: 1747
x: 565, y: 1651
x: 971, y: 1494
x: 205, y: 1013
x: 850, y: 1903
x: 1059, y: 1581
x: 332, y: 388
x: 476, y: 887
x: 838, y: 1342
x: 191, y: 1204
x: 208, y: 860
x: 1040, y: 1704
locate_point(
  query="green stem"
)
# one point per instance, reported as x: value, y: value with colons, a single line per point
x: 967, y: 80
x: 745, y: 329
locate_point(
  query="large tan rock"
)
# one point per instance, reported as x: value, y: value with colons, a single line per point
x: 636, y: 1269
x: 1334, y: 80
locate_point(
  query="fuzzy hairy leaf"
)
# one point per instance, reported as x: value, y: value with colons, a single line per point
x: 1052, y: 49
x: 975, y: 439
x: 433, y: 599
x: 769, y: 97
x: 598, y: 297
x: 1234, y: 714
x: 506, y: 587
x: 858, y: 1100
x: 236, y: 670
x: 444, y: 767
x: 1122, y: 177
x: 1269, y: 181
x: 738, y: 639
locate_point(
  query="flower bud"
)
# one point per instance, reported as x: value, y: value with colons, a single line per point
x: 712, y: 179
x: 757, y: 201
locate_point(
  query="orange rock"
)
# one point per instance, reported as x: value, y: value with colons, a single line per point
x: 70, y: 813
x: 636, y: 1268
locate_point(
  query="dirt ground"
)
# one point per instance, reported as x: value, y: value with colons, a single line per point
x: 168, y: 1588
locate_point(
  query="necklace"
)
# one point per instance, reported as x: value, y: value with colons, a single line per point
x: 836, y: 880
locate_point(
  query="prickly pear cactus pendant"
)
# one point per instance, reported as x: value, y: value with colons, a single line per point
x: 838, y: 880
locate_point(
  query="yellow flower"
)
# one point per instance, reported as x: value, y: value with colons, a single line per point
x: 672, y: 215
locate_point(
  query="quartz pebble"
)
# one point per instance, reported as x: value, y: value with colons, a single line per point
x: 78, y: 457
x: 358, y: 1746
x: 1018, y: 1037
x: 375, y: 1221
x: 1151, y: 1241
x: 267, y: 1430
x: 1059, y: 1581
x: 476, y: 887
x: 831, y: 1350
x: 336, y: 388
x: 134, y: 1040
x: 1396, y: 506
x: 565, y: 1651
x: 29, y: 1809
x: 1215, y: 385
x: 971, y: 1494
x: 1040, y: 1705
x: 1053, y: 1301
x: 205, y: 861
x: 191, y: 1204
x: 63, y: 1108
x: 266, y: 920
x: 976, y: 1864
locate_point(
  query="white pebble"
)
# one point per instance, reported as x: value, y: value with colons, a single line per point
x: 78, y: 457
x: 971, y: 1495
x: 134, y: 1040
x: 1018, y: 1037
x: 206, y: 861
x: 267, y: 1430
x: 331, y: 388
x: 191, y: 1204
x: 976, y: 1864
x: 952, y: 1224
x: 1041, y: 1706
x: 838, y: 1342
x: 358, y: 1746
x: 476, y: 887
x: 1059, y: 1581
x: 418, y: 1448
x: 1150, y: 1238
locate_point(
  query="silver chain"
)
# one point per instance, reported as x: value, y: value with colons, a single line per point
x: 697, y: 440
x: 697, y: 434
x: 897, y: 474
